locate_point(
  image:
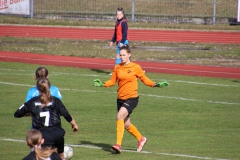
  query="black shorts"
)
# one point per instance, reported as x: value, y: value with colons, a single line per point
x: 53, y: 137
x: 129, y: 104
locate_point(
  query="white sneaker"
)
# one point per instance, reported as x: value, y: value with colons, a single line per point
x: 141, y: 143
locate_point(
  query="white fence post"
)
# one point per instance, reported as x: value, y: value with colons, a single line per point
x: 133, y: 7
x: 238, y: 11
x: 214, y: 11
x: 31, y: 8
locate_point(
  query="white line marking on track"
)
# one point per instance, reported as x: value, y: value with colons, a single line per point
x: 147, y: 95
x: 104, y: 64
x: 53, y: 60
x: 124, y: 150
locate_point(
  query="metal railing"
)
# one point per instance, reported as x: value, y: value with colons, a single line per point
x: 162, y: 11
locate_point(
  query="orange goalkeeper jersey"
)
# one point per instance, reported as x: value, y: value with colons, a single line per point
x: 127, y: 76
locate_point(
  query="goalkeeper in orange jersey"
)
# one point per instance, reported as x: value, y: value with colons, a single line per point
x: 126, y: 74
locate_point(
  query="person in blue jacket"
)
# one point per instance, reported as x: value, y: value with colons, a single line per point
x: 33, y: 92
x: 120, y: 35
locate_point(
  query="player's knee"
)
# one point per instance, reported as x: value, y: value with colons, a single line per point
x: 120, y: 117
x: 126, y: 125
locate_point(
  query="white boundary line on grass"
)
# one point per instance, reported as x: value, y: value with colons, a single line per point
x: 124, y: 150
x: 95, y: 75
x: 104, y: 64
x: 201, y: 83
x: 147, y: 95
x: 10, y: 69
x: 16, y: 74
x: 15, y: 84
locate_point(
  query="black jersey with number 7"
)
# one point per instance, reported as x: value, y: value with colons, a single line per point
x: 47, y: 116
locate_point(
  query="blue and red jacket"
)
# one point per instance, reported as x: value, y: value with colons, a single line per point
x: 121, y: 31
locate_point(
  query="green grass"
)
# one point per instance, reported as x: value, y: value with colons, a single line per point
x: 145, y: 10
x: 6, y: 19
x: 179, y: 7
x: 201, y: 54
x: 197, y: 125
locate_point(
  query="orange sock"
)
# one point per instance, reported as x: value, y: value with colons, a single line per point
x: 120, y: 131
x: 134, y: 131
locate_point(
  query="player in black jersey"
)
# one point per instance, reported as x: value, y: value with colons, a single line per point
x: 34, y: 140
x: 46, y: 111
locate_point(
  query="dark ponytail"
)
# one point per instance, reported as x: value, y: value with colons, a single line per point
x: 126, y: 47
x: 43, y: 86
x: 41, y: 72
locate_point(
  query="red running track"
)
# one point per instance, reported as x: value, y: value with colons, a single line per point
x: 98, y: 63
x: 134, y: 34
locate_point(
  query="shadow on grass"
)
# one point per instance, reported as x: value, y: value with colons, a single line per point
x: 103, y: 146
x: 236, y: 81
x: 100, y: 71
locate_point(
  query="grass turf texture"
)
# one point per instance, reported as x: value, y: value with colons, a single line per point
x: 197, y: 125
x: 143, y: 7
x: 199, y: 54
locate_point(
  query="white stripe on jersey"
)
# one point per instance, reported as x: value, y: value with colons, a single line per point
x: 39, y: 104
x: 21, y: 107
x: 49, y: 104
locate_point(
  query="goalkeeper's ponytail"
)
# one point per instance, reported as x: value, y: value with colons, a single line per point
x: 127, y: 49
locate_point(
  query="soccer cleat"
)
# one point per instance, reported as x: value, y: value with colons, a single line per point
x: 141, y: 143
x: 117, y: 148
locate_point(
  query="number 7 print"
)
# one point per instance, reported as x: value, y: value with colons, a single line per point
x: 47, y: 115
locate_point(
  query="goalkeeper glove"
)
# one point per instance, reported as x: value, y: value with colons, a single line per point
x: 98, y: 83
x: 161, y: 84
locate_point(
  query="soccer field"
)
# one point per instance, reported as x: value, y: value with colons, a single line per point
x: 194, y: 118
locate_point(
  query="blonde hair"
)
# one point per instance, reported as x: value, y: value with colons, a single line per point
x: 34, y: 139
x: 43, y: 86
